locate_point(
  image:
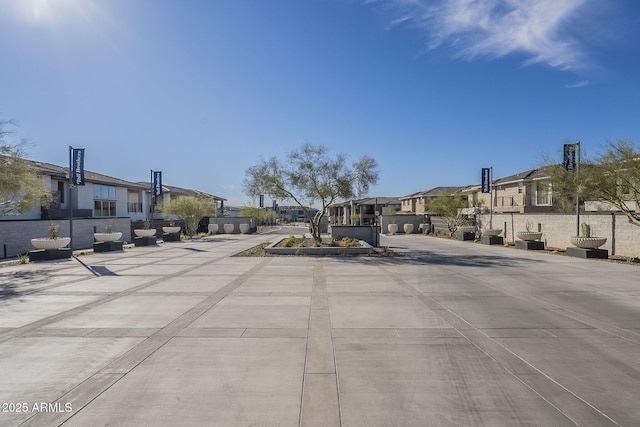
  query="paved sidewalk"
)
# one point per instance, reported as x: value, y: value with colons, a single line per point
x: 452, y: 334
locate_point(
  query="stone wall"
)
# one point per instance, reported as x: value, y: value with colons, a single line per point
x: 15, y: 236
x: 623, y: 238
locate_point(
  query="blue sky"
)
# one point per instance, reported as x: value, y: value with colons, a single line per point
x: 434, y: 90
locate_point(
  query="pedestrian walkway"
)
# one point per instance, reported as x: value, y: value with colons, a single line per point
x: 452, y: 334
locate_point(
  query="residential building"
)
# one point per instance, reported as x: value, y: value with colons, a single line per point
x: 295, y: 213
x: 102, y: 196
x: 416, y: 203
x: 524, y: 192
x: 363, y: 211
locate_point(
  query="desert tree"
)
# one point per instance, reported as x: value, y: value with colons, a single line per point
x: 20, y: 186
x: 448, y: 206
x: 190, y: 209
x: 310, y: 175
x: 612, y: 178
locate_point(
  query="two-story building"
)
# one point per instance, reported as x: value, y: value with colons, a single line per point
x: 416, y: 203
x: 102, y: 196
x: 362, y: 211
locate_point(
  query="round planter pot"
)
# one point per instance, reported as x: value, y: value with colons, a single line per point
x: 392, y: 228
x: 587, y: 242
x: 245, y: 228
x: 143, y: 232
x: 466, y: 228
x: 529, y: 236
x: 212, y: 228
x: 46, y: 243
x: 107, y: 237
x: 170, y: 230
x: 408, y: 228
x: 228, y: 228
x: 491, y: 231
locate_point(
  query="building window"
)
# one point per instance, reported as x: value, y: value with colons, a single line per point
x: 104, y: 200
x: 104, y: 208
x: 105, y: 192
x: 520, y: 187
x: 543, y: 193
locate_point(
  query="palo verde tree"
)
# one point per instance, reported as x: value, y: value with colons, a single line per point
x: 611, y: 177
x: 448, y: 207
x: 190, y: 209
x: 309, y: 175
x: 20, y: 187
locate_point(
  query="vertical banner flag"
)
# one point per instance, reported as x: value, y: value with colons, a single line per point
x: 262, y: 200
x: 157, y: 183
x: 486, y: 180
x: 77, y: 166
x: 570, y: 157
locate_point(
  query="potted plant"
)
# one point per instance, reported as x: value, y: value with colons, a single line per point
x: 51, y: 242
x: 529, y: 235
x: 109, y: 235
x: 171, y: 229
x: 491, y: 232
x: 586, y: 240
x: 147, y: 231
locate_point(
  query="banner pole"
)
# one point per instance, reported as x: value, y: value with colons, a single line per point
x: 578, y: 188
x: 491, y: 197
x: 71, y: 199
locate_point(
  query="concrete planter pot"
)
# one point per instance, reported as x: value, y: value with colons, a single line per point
x: 245, y: 228
x: 587, y: 242
x: 144, y: 232
x: 491, y: 232
x: 212, y: 228
x: 107, y: 237
x: 408, y: 228
x: 170, y: 230
x: 529, y: 236
x: 392, y: 228
x: 466, y: 228
x: 228, y: 228
x: 47, y: 243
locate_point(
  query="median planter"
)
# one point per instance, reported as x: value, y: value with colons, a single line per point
x: 245, y: 228
x: 212, y: 228
x: 228, y: 228
x: 408, y: 228
x: 360, y: 248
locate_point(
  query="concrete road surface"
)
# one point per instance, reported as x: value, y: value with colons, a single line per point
x: 450, y: 334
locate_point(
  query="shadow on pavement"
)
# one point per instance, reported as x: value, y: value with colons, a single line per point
x: 15, y: 284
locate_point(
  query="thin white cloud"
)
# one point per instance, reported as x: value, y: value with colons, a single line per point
x: 495, y: 28
x: 581, y: 83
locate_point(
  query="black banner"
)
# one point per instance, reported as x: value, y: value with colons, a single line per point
x: 486, y: 180
x: 77, y: 166
x: 157, y: 183
x: 569, y: 161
